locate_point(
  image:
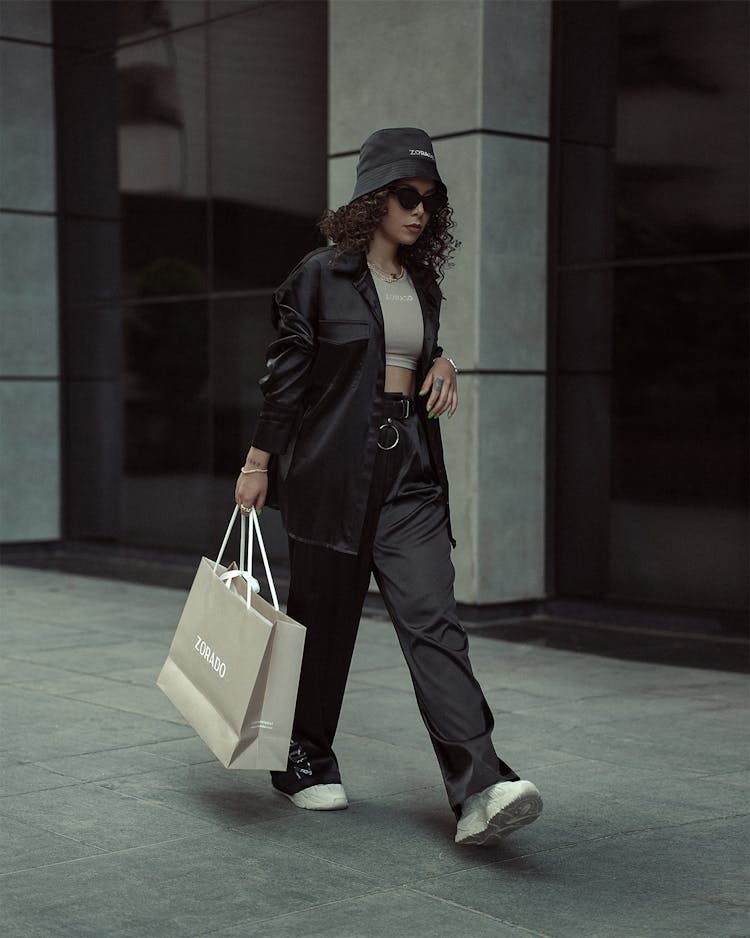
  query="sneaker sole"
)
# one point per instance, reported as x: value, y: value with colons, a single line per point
x: 506, y: 820
x: 331, y: 804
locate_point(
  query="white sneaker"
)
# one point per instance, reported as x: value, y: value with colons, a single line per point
x: 498, y: 811
x: 319, y: 798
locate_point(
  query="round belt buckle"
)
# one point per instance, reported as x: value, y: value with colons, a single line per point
x: 388, y: 425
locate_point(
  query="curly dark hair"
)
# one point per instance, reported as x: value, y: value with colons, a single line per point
x: 352, y: 226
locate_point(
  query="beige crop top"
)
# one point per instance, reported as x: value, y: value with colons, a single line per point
x: 402, y: 319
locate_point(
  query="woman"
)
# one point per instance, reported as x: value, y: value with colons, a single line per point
x: 349, y: 435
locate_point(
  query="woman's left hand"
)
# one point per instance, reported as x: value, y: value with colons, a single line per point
x: 440, y: 384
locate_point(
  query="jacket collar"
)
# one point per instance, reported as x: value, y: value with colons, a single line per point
x: 355, y: 266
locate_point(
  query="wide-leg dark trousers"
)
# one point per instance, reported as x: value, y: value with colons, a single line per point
x: 405, y: 544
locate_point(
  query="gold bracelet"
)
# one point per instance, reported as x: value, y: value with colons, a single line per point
x: 246, y: 472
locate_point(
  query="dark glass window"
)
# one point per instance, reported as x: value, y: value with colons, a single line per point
x: 651, y: 286
x: 268, y: 140
x: 193, y: 169
x: 162, y: 153
x: 241, y: 331
x: 680, y: 399
x: 683, y: 128
x: 166, y: 387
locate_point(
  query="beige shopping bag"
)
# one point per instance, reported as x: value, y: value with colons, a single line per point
x: 234, y: 664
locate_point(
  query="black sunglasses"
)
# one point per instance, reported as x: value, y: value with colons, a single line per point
x: 410, y: 198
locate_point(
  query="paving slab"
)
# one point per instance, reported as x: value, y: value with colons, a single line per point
x: 26, y: 846
x: 668, y: 881
x: 112, y: 763
x: 145, y: 699
x: 100, y: 657
x: 29, y: 636
x: 186, y: 750
x: 176, y: 889
x: 39, y: 726
x: 372, y: 768
x: 670, y: 743
x: 396, y: 840
x: 388, y: 715
x: 92, y: 814
x: 17, y: 777
x: 207, y: 792
x: 146, y: 675
x: 59, y: 682
x: 397, y: 677
x: 386, y: 914
x: 739, y: 780
x: 115, y: 818
x: 372, y: 655
x: 530, y: 757
x: 595, y: 710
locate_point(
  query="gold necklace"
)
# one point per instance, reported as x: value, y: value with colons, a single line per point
x: 388, y: 278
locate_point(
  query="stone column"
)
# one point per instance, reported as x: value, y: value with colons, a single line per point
x: 29, y: 367
x: 475, y: 75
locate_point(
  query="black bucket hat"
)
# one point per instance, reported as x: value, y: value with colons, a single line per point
x: 394, y: 153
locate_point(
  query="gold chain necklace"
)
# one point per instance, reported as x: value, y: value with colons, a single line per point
x: 384, y: 275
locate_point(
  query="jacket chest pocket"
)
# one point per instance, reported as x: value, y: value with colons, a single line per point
x: 342, y: 344
x: 341, y: 331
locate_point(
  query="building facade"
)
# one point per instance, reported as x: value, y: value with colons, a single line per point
x: 163, y: 165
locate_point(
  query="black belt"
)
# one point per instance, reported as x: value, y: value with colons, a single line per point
x: 397, y: 409
x: 400, y: 408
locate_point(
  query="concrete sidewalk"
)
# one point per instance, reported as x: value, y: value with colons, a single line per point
x: 116, y: 820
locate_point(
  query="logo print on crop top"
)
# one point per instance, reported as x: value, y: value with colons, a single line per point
x: 399, y: 297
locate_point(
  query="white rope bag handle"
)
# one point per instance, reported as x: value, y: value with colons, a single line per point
x: 246, y: 559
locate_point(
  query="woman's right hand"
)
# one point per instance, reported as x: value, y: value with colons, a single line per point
x: 252, y: 487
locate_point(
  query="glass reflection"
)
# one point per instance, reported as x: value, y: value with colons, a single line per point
x: 166, y: 485
x: 142, y: 19
x: 268, y: 140
x: 652, y: 467
x: 241, y: 331
x: 166, y: 384
x: 587, y: 180
x: 680, y: 403
x: 162, y: 152
x: 682, y: 77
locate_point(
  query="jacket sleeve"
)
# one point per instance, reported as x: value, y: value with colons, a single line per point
x: 288, y: 358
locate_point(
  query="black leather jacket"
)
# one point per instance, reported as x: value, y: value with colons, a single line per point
x: 323, y: 394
